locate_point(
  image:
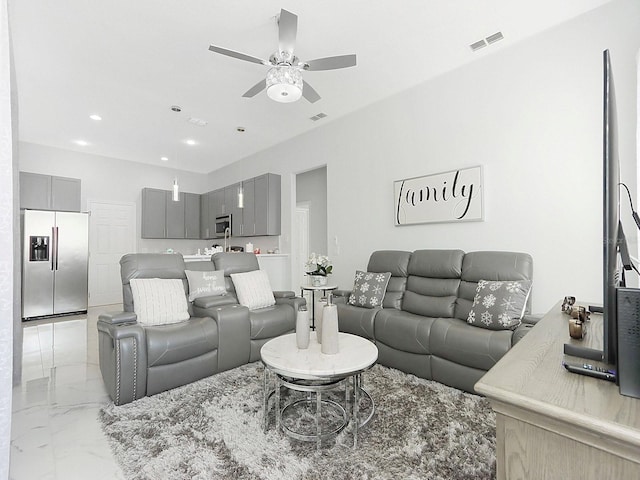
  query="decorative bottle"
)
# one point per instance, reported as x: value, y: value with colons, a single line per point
x: 329, y: 328
x: 302, y: 328
x: 317, y: 317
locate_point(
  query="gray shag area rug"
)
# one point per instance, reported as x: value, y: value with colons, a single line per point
x: 212, y: 429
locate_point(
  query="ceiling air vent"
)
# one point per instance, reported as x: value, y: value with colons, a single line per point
x: 317, y: 117
x: 198, y: 121
x: 494, y: 38
x: 478, y: 45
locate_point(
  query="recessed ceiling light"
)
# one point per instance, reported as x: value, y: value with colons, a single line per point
x: 190, y: 141
x: 240, y: 129
x: 164, y: 159
x: 95, y: 117
x: 82, y: 143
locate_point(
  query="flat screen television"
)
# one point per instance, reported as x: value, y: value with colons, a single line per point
x: 613, y: 275
x: 615, y: 252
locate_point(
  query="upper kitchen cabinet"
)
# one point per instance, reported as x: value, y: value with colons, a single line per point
x: 192, y: 215
x: 47, y: 192
x: 267, y: 204
x: 154, y: 213
x: 175, y: 216
x: 164, y: 218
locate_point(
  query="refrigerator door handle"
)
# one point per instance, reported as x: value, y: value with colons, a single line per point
x: 55, y: 252
x: 51, y: 248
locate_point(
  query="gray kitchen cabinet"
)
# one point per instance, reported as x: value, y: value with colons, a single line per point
x: 231, y: 206
x: 191, y: 215
x: 248, y: 228
x: 267, y: 204
x: 204, y: 216
x: 164, y: 218
x: 65, y: 194
x: 154, y: 213
x: 218, y: 200
x: 175, y: 216
x: 47, y: 192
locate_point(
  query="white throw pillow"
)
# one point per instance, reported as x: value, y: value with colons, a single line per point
x: 253, y: 289
x: 158, y: 301
x: 205, y: 284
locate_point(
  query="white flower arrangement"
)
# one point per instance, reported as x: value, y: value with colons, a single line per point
x: 318, y: 265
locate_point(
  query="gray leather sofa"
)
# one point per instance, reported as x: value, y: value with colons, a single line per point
x: 421, y: 327
x: 138, y: 360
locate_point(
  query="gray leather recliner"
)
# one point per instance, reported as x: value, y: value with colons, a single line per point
x: 262, y: 324
x: 138, y: 360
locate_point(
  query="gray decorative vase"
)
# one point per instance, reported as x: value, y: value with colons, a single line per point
x: 329, y: 329
x: 302, y: 328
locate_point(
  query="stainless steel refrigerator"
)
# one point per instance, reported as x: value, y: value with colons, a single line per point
x: 55, y: 258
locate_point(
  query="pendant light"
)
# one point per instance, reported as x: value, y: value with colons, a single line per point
x: 176, y: 190
x: 240, y: 196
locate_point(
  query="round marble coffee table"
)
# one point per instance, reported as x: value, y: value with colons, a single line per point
x: 310, y: 370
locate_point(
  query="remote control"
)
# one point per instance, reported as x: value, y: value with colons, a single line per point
x: 591, y: 371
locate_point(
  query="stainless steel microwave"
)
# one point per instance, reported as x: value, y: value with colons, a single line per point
x: 222, y: 223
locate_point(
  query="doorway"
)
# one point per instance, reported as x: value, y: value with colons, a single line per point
x: 310, y: 229
x: 112, y: 234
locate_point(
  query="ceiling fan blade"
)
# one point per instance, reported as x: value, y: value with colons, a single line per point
x: 256, y: 89
x: 288, y: 29
x: 309, y: 93
x: 330, y: 63
x: 238, y: 55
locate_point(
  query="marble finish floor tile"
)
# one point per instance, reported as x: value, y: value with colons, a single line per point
x: 55, y: 431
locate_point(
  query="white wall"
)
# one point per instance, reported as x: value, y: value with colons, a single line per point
x: 9, y: 302
x: 531, y: 114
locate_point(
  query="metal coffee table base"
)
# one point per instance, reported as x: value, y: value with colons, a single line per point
x: 350, y: 410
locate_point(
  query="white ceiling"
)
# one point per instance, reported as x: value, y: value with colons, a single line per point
x: 130, y: 60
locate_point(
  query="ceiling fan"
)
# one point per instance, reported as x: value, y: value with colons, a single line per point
x: 284, y: 81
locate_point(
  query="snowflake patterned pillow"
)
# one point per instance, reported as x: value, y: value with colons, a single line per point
x: 369, y: 289
x: 499, y: 305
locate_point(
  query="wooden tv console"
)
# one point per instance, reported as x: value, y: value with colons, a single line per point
x: 551, y: 423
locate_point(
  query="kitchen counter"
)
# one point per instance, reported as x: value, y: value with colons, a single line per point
x: 208, y: 257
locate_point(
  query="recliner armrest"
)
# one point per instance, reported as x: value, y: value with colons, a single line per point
x: 295, y: 302
x: 340, y: 296
x: 341, y: 293
x: 117, y: 318
x: 283, y: 294
x: 214, y: 301
x: 531, y: 319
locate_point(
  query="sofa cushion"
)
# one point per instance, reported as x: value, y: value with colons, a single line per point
x: 169, y: 344
x: 396, y: 262
x: 356, y: 320
x: 369, y: 289
x: 272, y: 321
x: 205, y: 284
x: 499, y: 305
x: 461, y: 343
x: 403, y: 331
x: 478, y: 266
x: 158, y: 301
x: 253, y: 289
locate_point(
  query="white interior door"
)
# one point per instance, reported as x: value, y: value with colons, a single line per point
x: 301, y: 253
x: 112, y: 233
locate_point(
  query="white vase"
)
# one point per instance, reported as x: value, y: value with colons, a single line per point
x: 302, y: 328
x: 317, y: 317
x: 318, y: 280
x: 329, y: 329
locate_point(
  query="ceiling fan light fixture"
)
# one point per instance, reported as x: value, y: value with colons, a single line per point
x: 284, y: 84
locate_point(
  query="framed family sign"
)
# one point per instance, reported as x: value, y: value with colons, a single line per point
x: 454, y: 196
